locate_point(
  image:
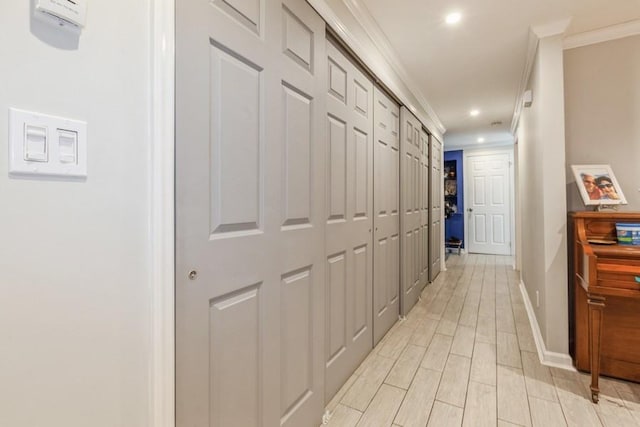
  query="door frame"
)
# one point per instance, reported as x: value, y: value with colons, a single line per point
x: 467, y: 173
x: 161, y: 243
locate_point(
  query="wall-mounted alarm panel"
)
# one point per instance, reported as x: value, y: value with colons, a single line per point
x: 66, y: 13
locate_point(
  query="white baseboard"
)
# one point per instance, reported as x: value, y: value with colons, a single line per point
x: 547, y: 358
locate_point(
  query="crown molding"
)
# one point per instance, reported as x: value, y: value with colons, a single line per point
x: 550, y: 29
x: 373, y: 30
x: 409, y: 95
x: 600, y: 35
x: 332, y: 19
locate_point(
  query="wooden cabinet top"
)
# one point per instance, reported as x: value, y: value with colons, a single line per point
x: 601, y: 225
x: 606, y: 269
x: 604, y: 215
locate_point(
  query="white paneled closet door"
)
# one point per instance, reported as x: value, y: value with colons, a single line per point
x: 250, y: 226
x: 435, y: 214
x: 349, y: 219
x: 386, y: 271
x: 411, y: 190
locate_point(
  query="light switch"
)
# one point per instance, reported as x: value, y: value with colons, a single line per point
x: 43, y: 145
x: 67, y: 146
x: 35, y: 143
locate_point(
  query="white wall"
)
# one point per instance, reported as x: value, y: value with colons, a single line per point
x: 74, y: 287
x: 542, y: 195
x: 602, y: 99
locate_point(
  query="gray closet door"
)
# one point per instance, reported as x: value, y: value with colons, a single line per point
x: 386, y: 271
x: 349, y: 219
x: 435, y: 214
x: 250, y: 267
x: 424, y: 208
x: 411, y: 190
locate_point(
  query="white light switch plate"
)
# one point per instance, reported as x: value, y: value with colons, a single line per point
x: 59, y: 157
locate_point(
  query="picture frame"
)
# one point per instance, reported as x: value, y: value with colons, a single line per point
x: 598, y: 185
x: 450, y: 187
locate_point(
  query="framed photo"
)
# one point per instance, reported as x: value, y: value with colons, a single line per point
x: 598, y: 185
x: 450, y: 187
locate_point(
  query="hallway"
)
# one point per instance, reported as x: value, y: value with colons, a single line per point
x: 465, y: 355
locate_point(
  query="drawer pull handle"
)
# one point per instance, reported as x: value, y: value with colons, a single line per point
x: 638, y: 279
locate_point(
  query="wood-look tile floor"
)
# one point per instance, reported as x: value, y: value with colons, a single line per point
x: 465, y: 356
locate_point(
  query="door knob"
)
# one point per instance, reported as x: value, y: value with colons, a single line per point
x: 470, y: 210
x: 193, y: 274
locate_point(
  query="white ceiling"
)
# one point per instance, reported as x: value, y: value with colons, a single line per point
x: 479, y: 62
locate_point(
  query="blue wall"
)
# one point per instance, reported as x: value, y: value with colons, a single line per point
x: 455, y: 225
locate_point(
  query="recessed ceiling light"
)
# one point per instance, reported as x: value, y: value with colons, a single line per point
x: 474, y: 113
x: 453, y: 18
x: 480, y: 139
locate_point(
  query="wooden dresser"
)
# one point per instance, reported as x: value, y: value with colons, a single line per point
x: 604, y: 295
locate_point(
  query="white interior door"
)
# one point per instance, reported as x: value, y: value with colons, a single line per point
x: 386, y: 273
x: 435, y: 215
x: 349, y: 219
x: 488, y: 198
x: 250, y: 267
x: 411, y: 198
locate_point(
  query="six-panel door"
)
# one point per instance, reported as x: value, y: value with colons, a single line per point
x: 488, y: 178
x: 386, y: 273
x: 435, y: 209
x: 413, y: 199
x: 349, y: 218
x: 250, y: 266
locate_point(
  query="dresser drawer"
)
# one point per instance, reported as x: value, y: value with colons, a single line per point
x: 619, y: 274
